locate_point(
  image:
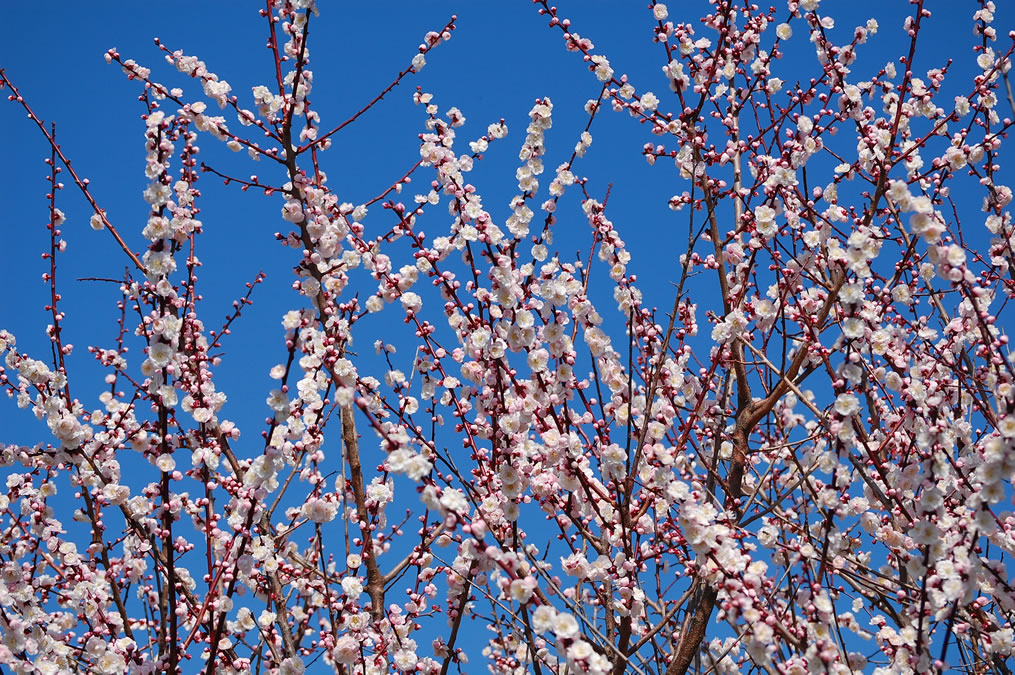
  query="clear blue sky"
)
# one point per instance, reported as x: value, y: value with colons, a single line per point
x: 502, y: 57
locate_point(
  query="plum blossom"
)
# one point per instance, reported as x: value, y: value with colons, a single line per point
x: 552, y: 449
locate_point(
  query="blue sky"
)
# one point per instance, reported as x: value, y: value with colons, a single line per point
x: 355, y: 54
x: 502, y: 57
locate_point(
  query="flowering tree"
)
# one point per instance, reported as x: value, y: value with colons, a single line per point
x: 815, y: 482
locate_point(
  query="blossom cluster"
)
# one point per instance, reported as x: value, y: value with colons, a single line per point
x: 826, y: 470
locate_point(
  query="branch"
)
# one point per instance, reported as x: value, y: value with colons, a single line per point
x: 375, y: 581
x: 81, y: 183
